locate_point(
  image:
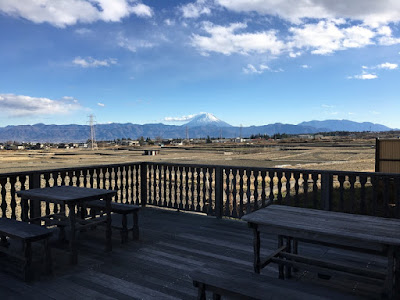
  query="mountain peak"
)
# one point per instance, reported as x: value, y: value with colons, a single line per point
x: 206, y: 119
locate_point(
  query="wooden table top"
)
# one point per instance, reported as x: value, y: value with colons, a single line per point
x: 335, y: 224
x: 65, y: 194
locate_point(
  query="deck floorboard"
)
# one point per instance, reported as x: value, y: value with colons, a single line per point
x: 172, y: 244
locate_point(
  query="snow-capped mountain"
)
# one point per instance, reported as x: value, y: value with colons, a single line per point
x: 206, y: 119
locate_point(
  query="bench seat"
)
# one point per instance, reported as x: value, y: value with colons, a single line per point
x: 239, y: 284
x: 122, y: 209
x: 27, y: 233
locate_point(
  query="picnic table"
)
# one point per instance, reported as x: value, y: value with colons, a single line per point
x: 339, y: 230
x: 73, y: 197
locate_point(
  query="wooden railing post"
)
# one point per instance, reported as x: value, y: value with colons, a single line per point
x: 326, y: 191
x: 34, y: 207
x: 143, y: 184
x: 219, y: 192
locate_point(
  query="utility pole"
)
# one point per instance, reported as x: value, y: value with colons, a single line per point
x: 92, y: 132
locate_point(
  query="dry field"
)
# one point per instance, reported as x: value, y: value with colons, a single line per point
x: 348, y: 156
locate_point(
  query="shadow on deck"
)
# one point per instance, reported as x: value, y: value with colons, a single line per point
x: 171, y: 245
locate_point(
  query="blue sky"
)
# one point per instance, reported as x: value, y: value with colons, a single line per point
x: 249, y: 62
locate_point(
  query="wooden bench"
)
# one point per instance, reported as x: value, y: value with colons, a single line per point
x: 239, y: 284
x: 124, y: 210
x: 27, y: 233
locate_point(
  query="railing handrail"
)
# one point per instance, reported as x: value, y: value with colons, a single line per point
x: 69, y: 169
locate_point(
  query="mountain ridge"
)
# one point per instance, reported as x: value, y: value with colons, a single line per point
x: 79, y: 133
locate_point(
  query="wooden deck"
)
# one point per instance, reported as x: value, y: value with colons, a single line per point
x: 171, y: 245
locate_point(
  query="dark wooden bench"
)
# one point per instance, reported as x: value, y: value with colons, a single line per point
x: 26, y: 233
x: 124, y: 210
x: 239, y: 284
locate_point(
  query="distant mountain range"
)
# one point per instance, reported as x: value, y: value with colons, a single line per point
x: 202, y: 125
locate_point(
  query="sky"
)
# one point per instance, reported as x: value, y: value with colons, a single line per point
x: 248, y: 62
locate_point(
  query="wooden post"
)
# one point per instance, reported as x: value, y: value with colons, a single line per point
x: 219, y: 192
x: 377, y: 154
x: 34, y: 206
x: 143, y: 184
x: 326, y: 191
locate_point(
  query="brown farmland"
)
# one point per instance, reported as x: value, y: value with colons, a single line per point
x: 354, y: 155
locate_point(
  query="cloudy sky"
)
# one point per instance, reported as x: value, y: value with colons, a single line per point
x: 249, y: 62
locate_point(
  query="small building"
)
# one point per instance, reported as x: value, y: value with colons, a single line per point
x: 151, y: 152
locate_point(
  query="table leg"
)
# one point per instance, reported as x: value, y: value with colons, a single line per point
x: 108, y: 226
x: 24, y: 209
x: 389, y: 282
x: 256, y: 247
x: 280, y: 244
x: 288, y: 250
x: 72, y: 238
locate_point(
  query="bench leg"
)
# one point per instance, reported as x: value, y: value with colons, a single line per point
x: 135, y: 230
x: 26, y: 272
x: 72, y: 239
x: 124, y: 230
x: 256, y: 248
x: 4, y: 242
x: 295, y: 251
x: 281, y: 267
x: 201, y: 292
x: 288, y: 250
x: 47, y: 254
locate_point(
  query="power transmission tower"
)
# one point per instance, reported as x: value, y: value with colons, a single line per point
x: 92, y: 123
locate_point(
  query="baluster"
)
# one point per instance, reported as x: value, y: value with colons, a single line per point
x: 13, y: 202
x: 85, y: 177
x: 47, y: 182
x: 210, y: 209
x: 397, y: 196
x: 176, y: 187
x: 106, y: 174
x: 149, y: 184
x: 296, y: 176
x: 241, y: 193
x: 363, y: 181
x: 187, y: 170
x: 352, y: 180
x: 133, y: 181
x: 165, y: 204
x: 118, y: 195
x: 305, y: 188
x: 174, y: 204
x: 271, y: 187
x: 288, y: 177
x: 341, y: 179
x: 138, y: 182
x: 22, y: 180
x: 155, y: 169
x: 248, y: 192
x: 386, y: 195
x: 227, y: 193
x: 256, y: 173
x: 98, y: 178
x: 234, y: 192
x: 193, y: 170
x: 198, y: 189
x: 160, y: 172
x: 180, y: 206
x: 127, y: 170
x: 204, y: 208
x: 90, y: 172
x: 314, y: 177
x: 3, y: 183
x: 263, y: 187
x: 279, y: 197
x: 375, y: 188
x: 55, y: 183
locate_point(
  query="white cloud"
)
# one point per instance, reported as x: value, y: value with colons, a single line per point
x: 196, y: 9
x: 388, y: 66
x: 83, y: 31
x: 90, y: 62
x: 101, y: 104
x: 169, y: 22
x: 20, y: 105
x: 132, y: 44
x: 371, y: 12
x: 62, y: 13
x: 227, y: 40
x: 326, y: 37
x: 305, y: 66
x: 364, y: 76
x: 294, y: 54
x: 180, y: 119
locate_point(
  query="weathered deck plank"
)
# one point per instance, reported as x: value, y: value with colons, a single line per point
x: 171, y: 245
